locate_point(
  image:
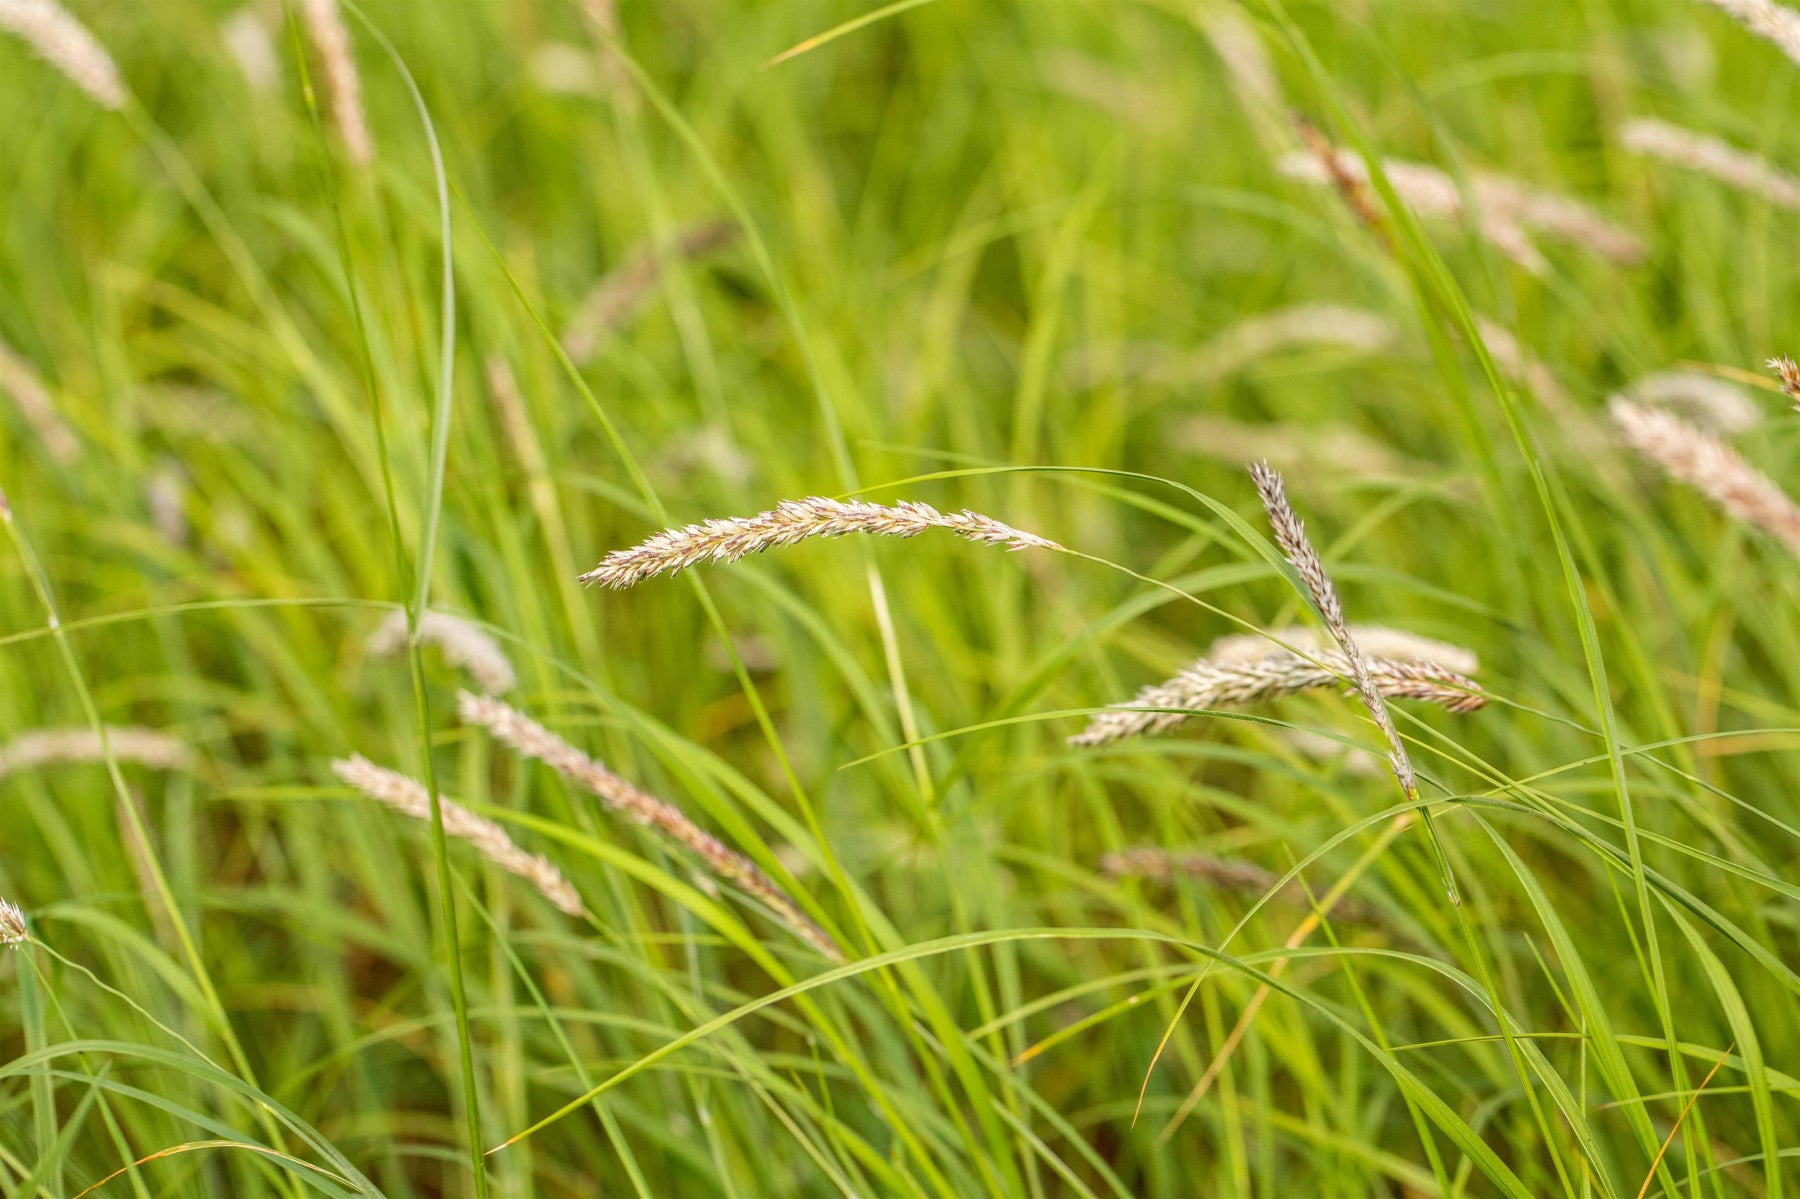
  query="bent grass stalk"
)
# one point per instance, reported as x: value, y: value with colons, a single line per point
x: 532, y: 740
x: 409, y: 797
x: 728, y: 540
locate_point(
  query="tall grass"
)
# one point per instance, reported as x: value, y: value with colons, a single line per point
x: 283, y: 395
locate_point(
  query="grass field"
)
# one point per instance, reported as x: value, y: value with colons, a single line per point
x: 1059, y: 262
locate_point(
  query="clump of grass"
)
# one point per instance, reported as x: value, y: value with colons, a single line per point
x: 35, y: 405
x: 792, y: 521
x: 337, y: 55
x: 1699, y: 459
x: 44, y: 747
x: 531, y: 739
x: 465, y: 645
x: 65, y: 44
x: 1725, y: 162
x: 409, y: 797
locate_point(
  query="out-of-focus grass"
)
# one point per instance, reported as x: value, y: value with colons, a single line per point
x: 972, y: 236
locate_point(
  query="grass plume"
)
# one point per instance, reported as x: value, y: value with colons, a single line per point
x: 531, y: 739
x: 337, y: 54
x: 1774, y: 23
x: 465, y: 645
x: 792, y: 521
x: 18, y: 379
x: 1207, y: 684
x: 44, y: 747
x: 1728, y: 164
x: 66, y: 44
x: 1698, y: 458
x: 408, y: 797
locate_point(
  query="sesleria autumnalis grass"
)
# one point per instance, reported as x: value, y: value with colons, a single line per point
x: 1036, y: 261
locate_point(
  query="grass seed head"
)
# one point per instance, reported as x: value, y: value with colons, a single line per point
x: 1789, y: 374
x: 1774, y: 23
x: 12, y: 924
x: 1696, y: 457
x: 465, y: 645
x: 65, y: 44
x: 792, y: 521
x: 1737, y: 168
x: 325, y: 23
x: 531, y: 739
x: 409, y: 798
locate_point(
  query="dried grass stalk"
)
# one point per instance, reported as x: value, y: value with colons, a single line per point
x: 1505, y: 208
x: 1290, y: 535
x: 44, y: 747
x: 1776, y: 24
x: 65, y: 44
x: 1377, y: 641
x: 1227, y: 874
x: 332, y: 40
x: 622, y: 291
x: 35, y: 405
x: 409, y: 798
x: 465, y: 645
x: 1696, y: 151
x: 1207, y: 684
x: 1699, y: 459
x: 793, y: 521
x: 1707, y: 400
x: 12, y: 924
x: 511, y: 726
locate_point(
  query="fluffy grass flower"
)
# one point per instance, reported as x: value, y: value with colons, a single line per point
x: 465, y: 645
x: 44, y: 747
x: 65, y: 44
x: 531, y: 739
x: 1725, y: 162
x: 1208, y: 684
x: 1774, y: 23
x: 12, y: 924
x: 409, y: 797
x: 793, y: 521
x: 1699, y: 459
x: 325, y: 23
